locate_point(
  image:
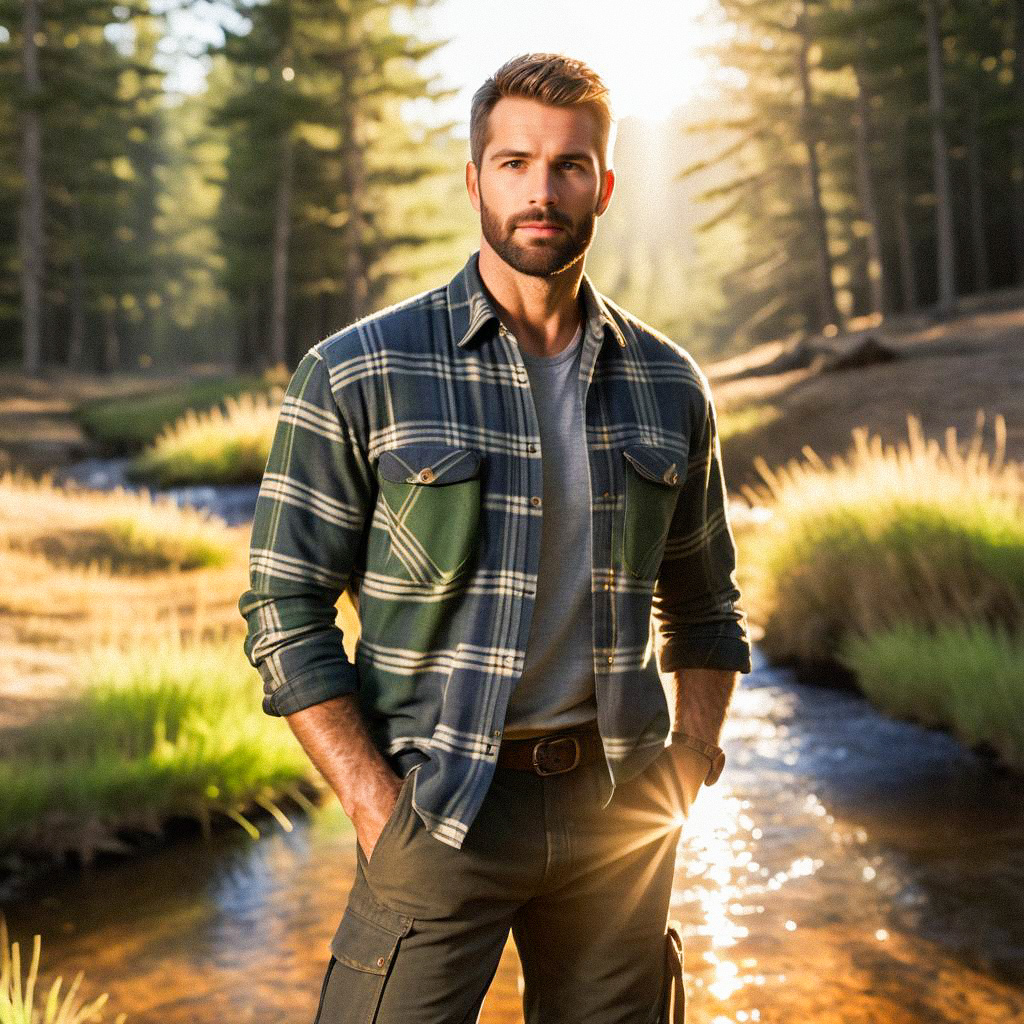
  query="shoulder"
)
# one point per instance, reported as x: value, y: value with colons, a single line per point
x: 660, y: 355
x: 405, y: 326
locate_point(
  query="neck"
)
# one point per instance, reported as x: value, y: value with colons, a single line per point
x: 542, y: 312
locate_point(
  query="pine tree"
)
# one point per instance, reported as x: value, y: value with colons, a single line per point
x: 319, y: 158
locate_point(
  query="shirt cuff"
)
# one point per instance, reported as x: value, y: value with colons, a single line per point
x: 724, y: 652
x: 312, y: 687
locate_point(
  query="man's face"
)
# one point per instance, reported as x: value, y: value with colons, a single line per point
x: 539, y: 187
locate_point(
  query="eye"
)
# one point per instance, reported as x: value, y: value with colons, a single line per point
x: 509, y: 163
x: 570, y: 163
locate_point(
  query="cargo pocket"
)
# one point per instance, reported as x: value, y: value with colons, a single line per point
x: 673, y: 1001
x: 364, y: 949
x: 653, y: 483
x: 430, y: 505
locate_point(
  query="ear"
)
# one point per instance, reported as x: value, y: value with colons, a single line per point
x: 607, y: 187
x: 473, y: 185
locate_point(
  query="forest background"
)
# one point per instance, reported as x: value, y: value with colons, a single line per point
x: 833, y: 162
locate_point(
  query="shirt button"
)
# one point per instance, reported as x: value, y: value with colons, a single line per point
x: 607, y: 494
x: 510, y: 659
x: 497, y: 732
x: 535, y: 501
x: 606, y: 586
x: 426, y: 475
x: 532, y: 447
x: 611, y: 658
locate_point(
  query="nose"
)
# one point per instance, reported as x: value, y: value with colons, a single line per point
x: 542, y: 186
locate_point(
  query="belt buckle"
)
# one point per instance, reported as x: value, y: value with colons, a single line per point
x: 551, y: 742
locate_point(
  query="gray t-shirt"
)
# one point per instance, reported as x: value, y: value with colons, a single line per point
x: 556, y: 690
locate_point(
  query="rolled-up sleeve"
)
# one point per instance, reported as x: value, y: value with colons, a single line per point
x: 307, y: 533
x: 696, y: 600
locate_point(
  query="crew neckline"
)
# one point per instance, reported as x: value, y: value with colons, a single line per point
x: 561, y: 357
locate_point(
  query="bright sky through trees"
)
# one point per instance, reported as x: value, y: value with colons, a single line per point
x: 644, y: 49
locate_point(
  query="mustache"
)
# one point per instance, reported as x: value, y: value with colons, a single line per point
x: 551, y: 217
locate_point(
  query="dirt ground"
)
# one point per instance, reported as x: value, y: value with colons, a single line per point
x: 944, y: 374
x: 38, y: 428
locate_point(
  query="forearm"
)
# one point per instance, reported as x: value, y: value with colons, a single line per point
x: 702, y: 697
x: 336, y: 740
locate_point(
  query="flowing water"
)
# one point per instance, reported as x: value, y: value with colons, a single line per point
x: 232, y: 503
x: 845, y: 868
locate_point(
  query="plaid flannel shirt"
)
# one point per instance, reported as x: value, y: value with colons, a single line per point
x: 406, y: 468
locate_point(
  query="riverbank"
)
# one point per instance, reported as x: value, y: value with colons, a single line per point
x: 845, y: 869
x: 778, y: 398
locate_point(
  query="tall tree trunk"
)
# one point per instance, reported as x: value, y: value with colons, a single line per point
x: 976, y: 185
x: 819, y: 224
x: 901, y: 203
x: 944, y: 247
x: 322, y: 305
x: 866, y: 193
x: 111, y: 341
x: 248, y: 343
x: 355, y: 286
x: 76, y: 342
x: 282, y: 236
x: 1017, y: 140
x: 32, y: 240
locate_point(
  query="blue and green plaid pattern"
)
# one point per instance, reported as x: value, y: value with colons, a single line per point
x: 406, y: 467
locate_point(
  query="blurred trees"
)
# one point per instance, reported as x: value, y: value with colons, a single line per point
x: 87, y: 128
x: 871, y: 154
x: 321, y: 168
x: 850, y: 160
x: 281, y: 204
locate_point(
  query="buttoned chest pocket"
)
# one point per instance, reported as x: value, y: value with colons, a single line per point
x: 654, y: 479
x: 430, y: 507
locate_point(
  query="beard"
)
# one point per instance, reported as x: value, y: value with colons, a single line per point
x: 540, y: 256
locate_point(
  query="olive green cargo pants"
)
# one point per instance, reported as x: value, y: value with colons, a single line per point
x: 584, y: 889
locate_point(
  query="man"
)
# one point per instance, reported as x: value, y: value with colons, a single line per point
x: 507, y: 473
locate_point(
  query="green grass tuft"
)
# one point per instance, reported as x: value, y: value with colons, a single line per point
x: 129, y: 424
x: 225, y: 445
x: 18, y: 1002
x: 171, y: 731
x: 968, y: 678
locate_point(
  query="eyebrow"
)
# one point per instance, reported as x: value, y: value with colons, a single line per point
x: 520, y: 153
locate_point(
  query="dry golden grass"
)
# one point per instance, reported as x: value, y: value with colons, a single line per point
x: 916, y: 532
x: 75, y: 577
x: 120, y: 531
x: 59, y: 604
x: 226, y: 444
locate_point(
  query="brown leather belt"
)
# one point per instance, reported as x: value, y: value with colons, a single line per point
x: 555, y: 753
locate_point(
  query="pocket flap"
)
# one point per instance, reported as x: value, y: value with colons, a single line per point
x: 428, y: 464
x: 369, y: 932
x: 660, y: 465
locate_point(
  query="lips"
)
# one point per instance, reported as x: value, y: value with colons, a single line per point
x: 542, y: 228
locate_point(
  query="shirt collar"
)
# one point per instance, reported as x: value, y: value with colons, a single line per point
x: 470, y: 306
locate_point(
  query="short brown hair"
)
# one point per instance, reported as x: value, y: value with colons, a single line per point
x: 550, y: 78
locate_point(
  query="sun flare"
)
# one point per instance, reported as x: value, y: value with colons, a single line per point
x: 647, y: 52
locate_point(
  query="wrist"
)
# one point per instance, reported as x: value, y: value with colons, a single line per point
x: 714, y: 755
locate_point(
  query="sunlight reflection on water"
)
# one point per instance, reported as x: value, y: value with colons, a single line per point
x: 841, y: 862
